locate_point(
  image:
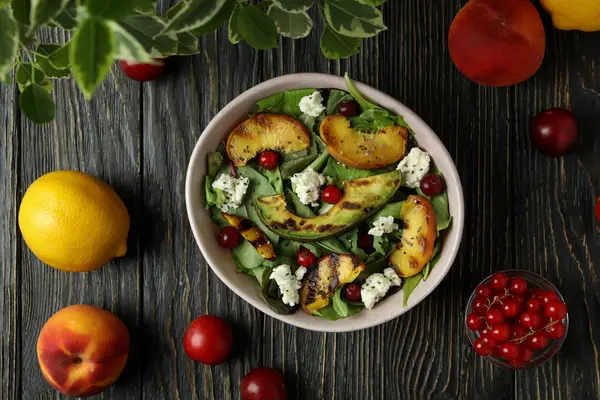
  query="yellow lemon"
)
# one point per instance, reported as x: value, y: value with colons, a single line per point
x: 74, y: 221
x: 582, y: 15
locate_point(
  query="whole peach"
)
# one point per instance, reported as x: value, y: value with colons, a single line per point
x: 497, y: 42
x: 82, y: 350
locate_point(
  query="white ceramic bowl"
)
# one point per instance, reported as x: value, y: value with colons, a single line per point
x: 247, y: 287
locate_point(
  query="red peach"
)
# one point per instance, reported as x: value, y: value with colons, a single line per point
x: 497, y: 42
x: 82, y: 350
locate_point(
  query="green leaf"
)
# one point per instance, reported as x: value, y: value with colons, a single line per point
x: 342, y: 308
x: 247, y: 255
x: 4, y: 3
x: 364, y: 104
x: 292, y: 25
x: 145, y: 6
x: 50, y: 71
x: 353, y: 19
x: 193, y: 15
x: 92, y: 53
x: 294, y: 6
x: 441, y: 208
x: 187, y: 44
x: 220, y: 19
x: 233, y: 33
x: 334, y: 100
x: 146, y: 30
x: 43, y: 11
x: 336, y: 46
x: 27, y: 74
x: 110, y: 9
x: 67, y: 18
x: 57, y: 55
x: 9, y: 41
x: 215, y: 162
x: 341, y: 173
x: 410, y: 284
x: 127, y: 47
x: 21, y: 10
x: 374, y: 3
x: 42, y: 59
x: 257, y: 29
x: 37, y: 104
x: 434, y: 260
x: 174, y: 9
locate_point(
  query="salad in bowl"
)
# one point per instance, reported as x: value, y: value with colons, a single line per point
x: 328, y: 202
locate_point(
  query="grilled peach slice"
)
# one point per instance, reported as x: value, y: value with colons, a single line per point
x: 251, y: 233
x: 262, y: 132
x: 321, y: 282
x: 418, y: 238
x: 363, y: 150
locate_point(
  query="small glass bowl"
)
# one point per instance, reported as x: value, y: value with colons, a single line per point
x: 533, y: 281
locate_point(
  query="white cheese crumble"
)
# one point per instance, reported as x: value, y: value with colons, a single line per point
x: 300, y: 272
x: 383, y: 225
x: 312, y: 105
x: 234, y: 188
x: 307, y: 186
x: 377, y: 285
x: 288, y: 283
x: 414, y: 167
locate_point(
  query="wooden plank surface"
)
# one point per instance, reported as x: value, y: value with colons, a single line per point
x: 523, y: 211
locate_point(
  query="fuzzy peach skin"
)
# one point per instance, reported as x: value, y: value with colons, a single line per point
x: 497, y: 42
x: 82, y: 350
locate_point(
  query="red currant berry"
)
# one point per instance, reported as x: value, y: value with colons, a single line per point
x: 143, y: 72
x: 500, y: 332
x: 494, y: 317
x: 531, y: 320
x: 475, y: 322
x: 365, y: 241
x: 518, y: 286
x: 538, y: 341
x: 536, y: 293
x: 489, y: 341
x: 556, y: 330
x: 352, y: 292
x: 521, y: 301
x: 535, y: 304
x: 556, y: 310
x: 305, y: 257
x: 229, y: 237
x: 598, y: 209
x: 268, y: 159
x: 432, y: 184
x: 348, y: 108
x: 511, y: 307
x: 485, y: 291
x: 526, y: 354
x: 499, y: 281
x: 509, y: 350
x: 481, y: 347
x: 518, y: 331
x: 548, y: 296
x: 479, y: 304
x: 331, y: 194
x: 496, y: 351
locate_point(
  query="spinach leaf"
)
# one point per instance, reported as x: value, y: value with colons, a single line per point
x: 332, y: 245
x: 292, y: 156
x: 342, y: 308
x: 362, y: 102
x: 274, y: 178
x: 215, y: 162
x: 213, y: 197
x: 259, y: 273
x: 319, y: 161
x: 335, y: 98
x: 287, y: 102
x: 308, y: 121
x: 321, y: 146
x: 270, y: 294
x: 434, y: 259
x: 340, y: 173
x: 247, y: 255
x: 289, y: 168
x: 410, y: 284
x: 217, y: 217
x: 350, y: 240
x: 390, y: 210
x: 259, y: 187
x: 441, y: 207
x: 381, y: 244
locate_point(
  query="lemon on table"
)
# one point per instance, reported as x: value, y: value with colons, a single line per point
x: 73, y: 221
x: 582, y: 15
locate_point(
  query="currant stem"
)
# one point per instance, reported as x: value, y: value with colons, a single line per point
x: 522, y: 339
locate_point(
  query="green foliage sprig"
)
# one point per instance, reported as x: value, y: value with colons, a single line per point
x: 131, y: 30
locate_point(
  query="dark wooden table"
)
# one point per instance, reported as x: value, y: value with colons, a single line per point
x: 523, y: 211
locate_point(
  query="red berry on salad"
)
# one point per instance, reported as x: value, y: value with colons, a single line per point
x: 557, y: 330
x: 432, y: 184
x: 494, y: 317
x: 481, y: 347
x: 554, y: 132
x: 305, y: 257
x: 262, y: 384
x: 538, y: 340
x: 531, y: 320
x: 352, y: 292
x: 229, y: 237
x: 331, y: 194
x: 485, y: 290
x: 509, y: 350
x: 143, y: 72
x: 475, y: 321
x: 208, y: 339
x: 365, y: 241
x: 598, y: 209
x: 556, y: 310
x: 535, y: 304
x: 499, y: 281
x: 501, y: 332
x: 480, y: 304
x: 510, y: 307
x: 518, y: 286
x: 348, y: 108
x: 547, y: 296
x: 268, y: 159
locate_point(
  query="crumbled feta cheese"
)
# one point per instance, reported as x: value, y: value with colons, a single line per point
x: 312, y: 105
x: 300, y: 272
x: 307, y: 186
x: 234, y: 188
x: 383, y: 225
x: 374, y: 289
x: 392, y: 276
x: 288, y: 283
x: 414, y: 167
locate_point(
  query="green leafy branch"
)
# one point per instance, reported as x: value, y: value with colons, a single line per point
x: 107, y: 30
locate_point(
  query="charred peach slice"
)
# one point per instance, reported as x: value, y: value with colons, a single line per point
x: 363, y: 150
x: 262, y: 132
x: 251, y: 233
x: 418, y: 238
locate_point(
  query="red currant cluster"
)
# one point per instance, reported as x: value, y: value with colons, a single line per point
x: 513, y: 320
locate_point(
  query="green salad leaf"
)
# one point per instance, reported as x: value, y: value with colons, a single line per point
x: 247, y: 255
x: 335, y: 98
x: 341, y: 173
x: 410, y: 284
x: 215, y: 163
x: 434, y: 259
x: 270, y: 294
x: 338, y: 308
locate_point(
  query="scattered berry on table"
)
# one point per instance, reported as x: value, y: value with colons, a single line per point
x: 263, y: 383
x: 208, y: 339
x: 554, y: 132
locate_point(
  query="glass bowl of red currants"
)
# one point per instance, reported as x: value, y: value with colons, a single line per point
x: 516, y: 319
